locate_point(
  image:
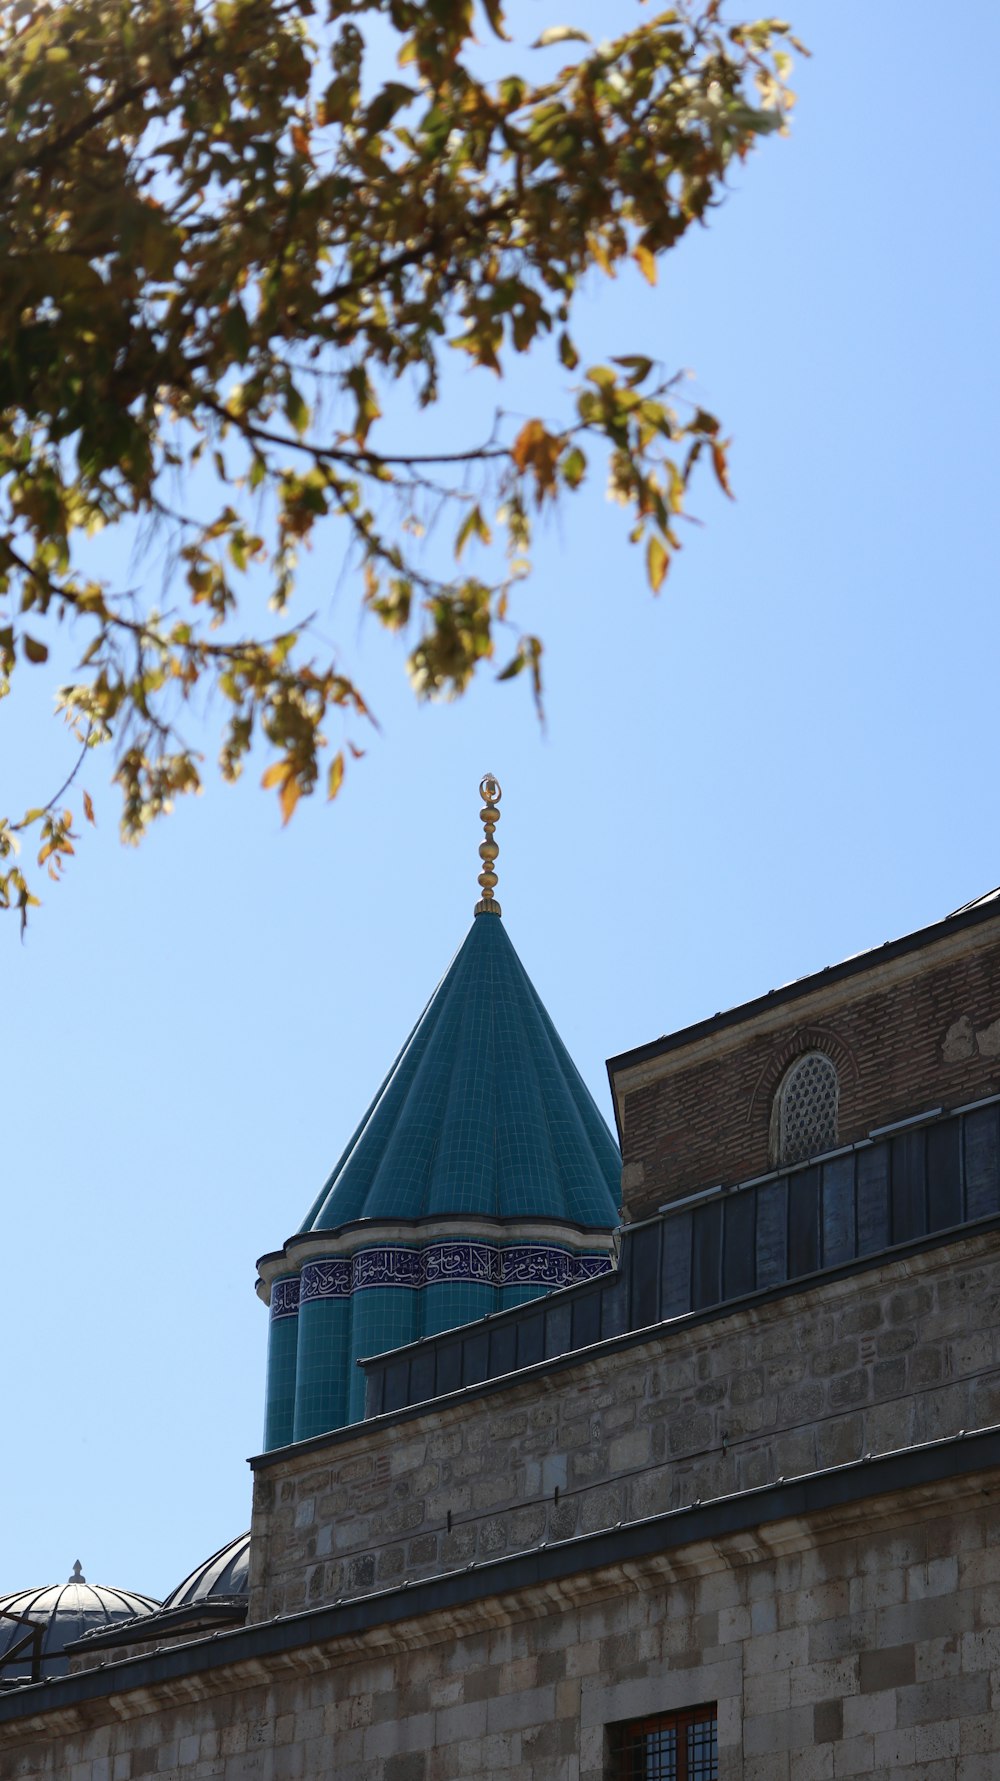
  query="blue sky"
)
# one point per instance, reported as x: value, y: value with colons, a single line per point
x: 788, y: 757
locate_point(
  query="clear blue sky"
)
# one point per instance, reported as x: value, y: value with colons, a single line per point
x: 788, y: 757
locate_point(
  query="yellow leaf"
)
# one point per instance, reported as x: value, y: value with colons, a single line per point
x: 526, y: 442
x: 645, y: 261
x: 560, y: 34
x: 657, y: 562
x: 335, y: 778
x: 600, y: 253
x: 721, y: 466
x: 276, y: 774
x: 288, y: 797
x: 88, y: 809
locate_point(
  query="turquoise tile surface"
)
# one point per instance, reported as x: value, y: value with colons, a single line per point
x: 279, y: 1413
x: 483, y: 1112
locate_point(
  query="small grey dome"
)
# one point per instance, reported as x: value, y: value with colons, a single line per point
x: 66, y: 1611
x: 220, y: 1578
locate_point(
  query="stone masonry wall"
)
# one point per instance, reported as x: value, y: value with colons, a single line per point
x: 852, y: 1645
x: 901, y: 1353
x: 917, y: 1032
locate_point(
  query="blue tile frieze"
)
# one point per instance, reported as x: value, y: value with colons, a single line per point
x: 285, y: 1298
x: 326, y: 1280
x: 539, y: 1265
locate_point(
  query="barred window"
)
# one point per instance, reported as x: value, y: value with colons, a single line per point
x: 671, y: 1747
x: 806, y: 1110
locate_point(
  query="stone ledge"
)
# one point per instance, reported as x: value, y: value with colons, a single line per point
x: 564, y: 1571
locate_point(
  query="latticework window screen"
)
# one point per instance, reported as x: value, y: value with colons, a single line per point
x: 807, y: 1109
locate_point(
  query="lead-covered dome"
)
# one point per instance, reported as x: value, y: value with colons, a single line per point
x: 211, y: 1598
x: 65, y: 1611
x: 222, y: 1578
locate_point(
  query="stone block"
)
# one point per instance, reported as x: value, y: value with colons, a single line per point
x: 943, y: 1412
x: 391, y: 1737
x: 690, y: 1432
x: 892, y: 1667
x: 777, y: 1651
x: 602, y: 1509
x: 838, y: 1357
x: 773, y: 1733
x: 894, y: 1749
x: 850, y: 1388
x: 935, y: 1743
x: 513, y: 1712
x: 889, y: 1425
x: 979, y: 1650
x: 763, y: 1616
x: 840, y: 1441
x: 768, y: 1692
x: 976, y: 1768
x: 854, y: 1756
x: 459, y: 1723
x: 627, y: 1452
x: 819, y: 1601
x: 794, y: 1453
x: 733, y: 1624
x: 409, y: 1767
x: 583, y: 1659
x: 812, y: 1764
x: 943, y: 1657
x: 866, y: 1714
x: 937, y: 1577
x: 772, y: 1767
x: 933, y: 1617
x: 833, y: 1679
x: 980, y: 1736
x: 951, y: 1697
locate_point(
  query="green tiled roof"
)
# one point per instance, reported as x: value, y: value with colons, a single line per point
x: 483, y: 1112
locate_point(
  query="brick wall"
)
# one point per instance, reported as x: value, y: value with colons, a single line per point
x: 904, y: 1352
x: 918, y: 1031
x: 834, y: 1647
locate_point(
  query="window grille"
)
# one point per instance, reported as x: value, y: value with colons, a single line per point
x: 672, y: 1747
x: 807, y: 1109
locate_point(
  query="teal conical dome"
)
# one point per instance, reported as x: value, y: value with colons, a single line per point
x: 483, y: 1112
x: 481, y: 1175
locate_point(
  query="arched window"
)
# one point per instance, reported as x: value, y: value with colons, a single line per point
x: 805, y: 1110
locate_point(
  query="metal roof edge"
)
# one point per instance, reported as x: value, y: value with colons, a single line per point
x: 553, y: 1364
x: 933, y: 1462
x: 971, y: 915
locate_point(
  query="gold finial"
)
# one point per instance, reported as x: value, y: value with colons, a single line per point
x: 489, y: 816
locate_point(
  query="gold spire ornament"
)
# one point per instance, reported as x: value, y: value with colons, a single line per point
x: 489, y: 816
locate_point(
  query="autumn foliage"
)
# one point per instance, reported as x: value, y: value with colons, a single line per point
x: 224, y: 238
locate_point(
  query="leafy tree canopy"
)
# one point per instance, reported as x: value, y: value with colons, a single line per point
x: 224, y: 237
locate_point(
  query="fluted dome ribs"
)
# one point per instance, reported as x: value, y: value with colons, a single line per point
x: 483, y: 1113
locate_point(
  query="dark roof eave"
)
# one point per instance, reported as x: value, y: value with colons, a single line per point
x: 193, y: 1617
x: 969, y: 917
x: 933, y: 1463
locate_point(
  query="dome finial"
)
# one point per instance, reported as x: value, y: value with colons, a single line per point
x: 489, y: 816
x: 77, y: 1574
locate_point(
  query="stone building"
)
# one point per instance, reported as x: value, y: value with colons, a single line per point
x: 723, y: 1508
